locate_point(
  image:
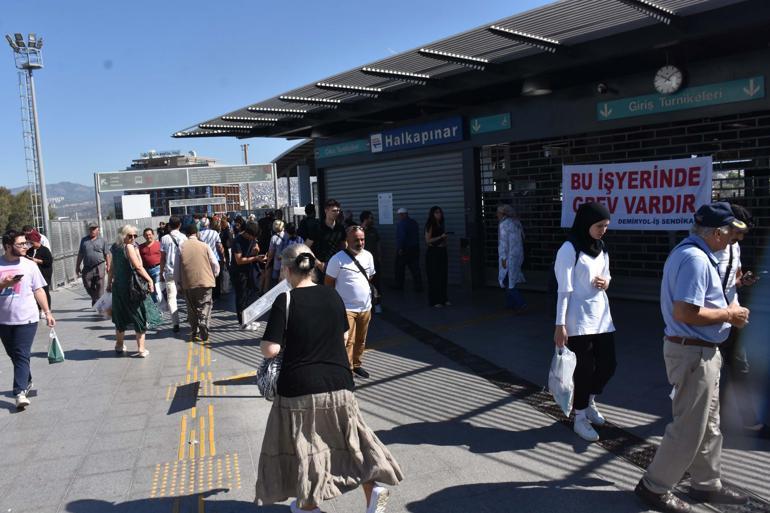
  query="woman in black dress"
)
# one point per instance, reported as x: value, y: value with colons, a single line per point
x: 436, y: 259
x: 316, y: 445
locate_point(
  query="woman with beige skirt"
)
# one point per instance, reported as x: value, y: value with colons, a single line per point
x: 317, y: 445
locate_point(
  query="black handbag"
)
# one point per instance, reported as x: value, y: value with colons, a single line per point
x: 376, y: 297
x: 138, y: 290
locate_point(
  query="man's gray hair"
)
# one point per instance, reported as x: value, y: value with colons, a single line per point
x: 705, y: 231
x: 507, y: 210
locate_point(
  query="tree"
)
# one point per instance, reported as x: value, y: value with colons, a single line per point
x: 21, y: 211
x: 6, y: 199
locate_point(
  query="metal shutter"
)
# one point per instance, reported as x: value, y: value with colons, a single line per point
x: 417, y: 184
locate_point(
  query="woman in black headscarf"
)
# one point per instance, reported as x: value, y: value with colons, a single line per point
x: 583, y: 320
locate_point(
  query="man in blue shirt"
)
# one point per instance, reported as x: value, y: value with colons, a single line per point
x: 698, y: 320
x: 407, y: 250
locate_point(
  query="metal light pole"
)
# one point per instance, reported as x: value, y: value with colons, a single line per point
x: 28, y: 57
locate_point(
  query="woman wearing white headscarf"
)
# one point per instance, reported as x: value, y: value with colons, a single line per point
x: 510, y: 250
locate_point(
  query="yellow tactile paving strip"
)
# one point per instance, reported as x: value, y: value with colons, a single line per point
x: 198, y: 468
x: 188, y: 477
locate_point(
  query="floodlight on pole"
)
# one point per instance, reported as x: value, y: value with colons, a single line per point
x: 28, y: 57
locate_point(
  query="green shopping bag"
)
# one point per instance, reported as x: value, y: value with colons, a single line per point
x: 55, y: 352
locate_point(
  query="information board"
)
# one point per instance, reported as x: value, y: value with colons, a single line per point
x: 182, y: 177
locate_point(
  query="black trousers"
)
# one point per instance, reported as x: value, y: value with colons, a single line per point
x: 595, y: 365
x: 736, y: 369
x: 245, y: 292
x: 437, y: 269
x: 410, y: 259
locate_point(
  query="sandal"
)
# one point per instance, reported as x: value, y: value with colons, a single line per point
x: 142, y: 354
x: 121, y: 351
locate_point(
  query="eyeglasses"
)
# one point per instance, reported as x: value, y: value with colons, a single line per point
x: 23, y: 244
x: 131, y: 236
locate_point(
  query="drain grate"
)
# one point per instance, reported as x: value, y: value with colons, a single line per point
x: 616, y: 440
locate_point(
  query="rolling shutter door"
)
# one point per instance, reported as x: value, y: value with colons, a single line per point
x: 417, y: 184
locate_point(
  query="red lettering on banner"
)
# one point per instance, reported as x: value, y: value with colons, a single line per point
x: 694, y: 176
x: 654, y: 205
x: 689, y: 203
x: 666, y: 204
x: 581, y: 181
x: 610, y: 203
x: 645, y: 180
x: 681, y: 177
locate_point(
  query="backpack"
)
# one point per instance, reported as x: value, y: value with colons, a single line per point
x: 553, y: 283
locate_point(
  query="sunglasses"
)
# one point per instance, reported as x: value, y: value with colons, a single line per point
x: 131, y: 236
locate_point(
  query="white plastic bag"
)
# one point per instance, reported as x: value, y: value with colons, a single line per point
x: 104, y: 305
x: 560, y: 378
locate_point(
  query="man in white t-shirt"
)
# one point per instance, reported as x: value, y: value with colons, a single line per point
x: 169, y: 255
x: 350, y: 271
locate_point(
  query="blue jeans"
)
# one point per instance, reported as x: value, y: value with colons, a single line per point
x: 513, y: 298
x: 154, y: 273
x: 17, y: 340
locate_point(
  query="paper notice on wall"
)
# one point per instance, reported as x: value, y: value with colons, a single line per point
x: 385, y: 207
x: 655, y: 195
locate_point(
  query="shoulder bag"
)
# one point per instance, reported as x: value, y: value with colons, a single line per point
x: 270, y: 368
x: 137, y: 287
x: 376, y: 297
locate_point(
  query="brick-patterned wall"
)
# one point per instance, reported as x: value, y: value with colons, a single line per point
x: 520, y: 173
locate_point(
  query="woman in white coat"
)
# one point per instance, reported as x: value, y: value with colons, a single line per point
x: 510, y: 250
x: 583, y: 319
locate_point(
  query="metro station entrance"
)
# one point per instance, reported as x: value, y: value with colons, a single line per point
x: 527, y: 175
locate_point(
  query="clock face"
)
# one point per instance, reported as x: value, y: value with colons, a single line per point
x: 668, y: 79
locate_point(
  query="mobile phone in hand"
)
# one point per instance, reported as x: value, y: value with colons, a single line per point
x: 18, y: 277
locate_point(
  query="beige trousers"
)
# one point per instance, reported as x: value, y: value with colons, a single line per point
x: 358, y: 327
x: 692, y: 441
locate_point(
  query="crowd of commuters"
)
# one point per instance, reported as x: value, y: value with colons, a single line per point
x: 333, y: 268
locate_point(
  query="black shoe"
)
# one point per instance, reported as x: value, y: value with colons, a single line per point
x: 667, y: 502
x: 361, y: 372
x: 176, y: 328
x: 721, y: 496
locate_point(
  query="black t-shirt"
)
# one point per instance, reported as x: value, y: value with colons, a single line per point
x: 327, y: 241
x: 314, y: 357
x: 245, y: 247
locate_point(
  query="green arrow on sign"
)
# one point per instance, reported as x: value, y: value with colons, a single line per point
x: 493, y: 123
x: 746, y: 89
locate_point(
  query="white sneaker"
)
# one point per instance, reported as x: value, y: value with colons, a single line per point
x: 593, y: 415
x: 378, y: 500
x: 584, y: 429
x: 21, y: 401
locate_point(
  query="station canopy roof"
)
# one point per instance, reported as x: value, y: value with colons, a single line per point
x: 464, y: 69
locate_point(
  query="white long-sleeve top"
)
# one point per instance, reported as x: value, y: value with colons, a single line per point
x: 581, y: 307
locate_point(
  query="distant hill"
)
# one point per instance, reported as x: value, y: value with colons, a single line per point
x: 71, y: 199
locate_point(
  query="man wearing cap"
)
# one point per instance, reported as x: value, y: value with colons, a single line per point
x: 407, y: 250
x: 96, y: 260
x: 698, y: 319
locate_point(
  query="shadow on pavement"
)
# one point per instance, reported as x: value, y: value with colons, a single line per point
x: 168, y: 504
x: 478, y: 439
x: 566, y: 495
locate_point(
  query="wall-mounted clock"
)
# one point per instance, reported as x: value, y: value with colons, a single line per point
x: 668, y: 79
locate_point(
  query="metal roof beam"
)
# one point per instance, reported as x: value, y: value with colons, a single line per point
x: 332, y: 103
x: 251, y: 119
x: 544, y: 43
x: 476, y: 63
x: 369, y: 92
x: 652, y: 10
x: 293, y: 113
x: 401, y: 76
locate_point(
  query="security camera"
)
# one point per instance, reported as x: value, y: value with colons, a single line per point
x: 602, y: 88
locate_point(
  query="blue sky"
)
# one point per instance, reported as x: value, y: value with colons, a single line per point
x: 120, y: 77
